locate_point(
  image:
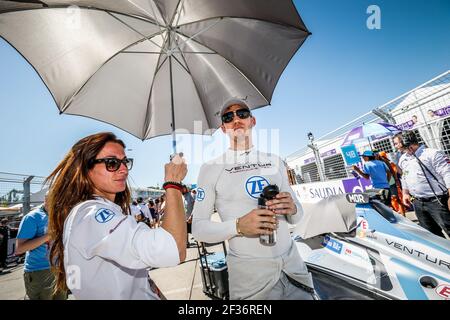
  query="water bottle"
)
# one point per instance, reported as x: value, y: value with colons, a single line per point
x: 268, y: 193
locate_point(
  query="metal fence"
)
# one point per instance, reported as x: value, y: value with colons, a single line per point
x: 424, y: 110
x: 20, y: 193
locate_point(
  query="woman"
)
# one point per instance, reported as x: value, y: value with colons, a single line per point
x: 99, y: 251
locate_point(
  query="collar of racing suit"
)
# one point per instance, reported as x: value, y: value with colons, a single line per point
x: 420, y: 150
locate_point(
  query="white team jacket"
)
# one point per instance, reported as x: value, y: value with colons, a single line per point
x: 107, y: 253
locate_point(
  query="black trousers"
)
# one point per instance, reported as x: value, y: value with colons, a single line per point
x: 3, y: 254
x: 388, y: 199
x: 433, y: 216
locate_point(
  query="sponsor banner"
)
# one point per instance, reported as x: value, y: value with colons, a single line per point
x: 443, y: 112
x: 328, y: 153
x: 313, y: 192
x: 406, y: 125
x: 354, y: 185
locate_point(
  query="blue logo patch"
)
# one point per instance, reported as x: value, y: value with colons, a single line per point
x: 200, y: 194
x: 104, y: 215
x: 255, y: 186
x: 332, y: 244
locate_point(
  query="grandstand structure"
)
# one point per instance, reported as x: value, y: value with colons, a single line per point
x: 425, y: 110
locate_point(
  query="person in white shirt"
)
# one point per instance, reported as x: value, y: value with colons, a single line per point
x: 145, y: 211
x: 426, y: 183
x: 232, y: 184
x: 136, y: 211
x: 98, y: 249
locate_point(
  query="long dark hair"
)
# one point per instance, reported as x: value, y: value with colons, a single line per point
x: 70, y: 185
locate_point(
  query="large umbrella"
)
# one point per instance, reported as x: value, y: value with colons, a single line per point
x: 150, y: 67
x: 368, y: 130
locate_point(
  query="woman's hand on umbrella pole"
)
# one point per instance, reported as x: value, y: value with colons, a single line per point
x: 176, y: 169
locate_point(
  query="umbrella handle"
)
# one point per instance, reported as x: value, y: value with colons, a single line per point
x: 173, y: 155
x: 174, y: 143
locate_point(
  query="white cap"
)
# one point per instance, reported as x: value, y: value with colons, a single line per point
x: 233, y: 101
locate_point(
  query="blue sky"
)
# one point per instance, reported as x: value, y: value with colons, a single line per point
x: 342, y: 71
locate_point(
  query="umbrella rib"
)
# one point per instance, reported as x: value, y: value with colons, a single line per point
x: 67, y: 105
x: 248, y: 18
x: 141, y: 34
x: 142, y: 52
x: 198, y: 33
x: 158, y: 68
x: 153, y: 11
x: 178, y: 7
x: 145, y: 11
x: 194, y: 52
x: 231, y: 64
x: 184, y: 67
x: 195, y: 85
x: 151, y: 52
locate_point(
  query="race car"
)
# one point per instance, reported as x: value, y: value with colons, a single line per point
x: 358, y: 248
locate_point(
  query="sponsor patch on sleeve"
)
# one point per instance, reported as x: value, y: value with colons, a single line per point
x: 104, y: 215
x: 200, y: 194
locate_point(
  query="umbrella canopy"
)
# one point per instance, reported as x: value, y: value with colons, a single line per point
x: 150, y: 67
x: 368, y: 130
x: 333, y: 214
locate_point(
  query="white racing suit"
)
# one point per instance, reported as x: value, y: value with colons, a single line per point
x: 232, y: 184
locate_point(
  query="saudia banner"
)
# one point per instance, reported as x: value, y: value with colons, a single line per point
x: 312, y: 192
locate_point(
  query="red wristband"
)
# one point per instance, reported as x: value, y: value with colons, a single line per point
x: 173, y: 186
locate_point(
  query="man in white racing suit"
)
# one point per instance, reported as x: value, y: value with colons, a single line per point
x: 232, y: 184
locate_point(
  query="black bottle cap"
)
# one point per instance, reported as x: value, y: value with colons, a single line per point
x: 270, y: 191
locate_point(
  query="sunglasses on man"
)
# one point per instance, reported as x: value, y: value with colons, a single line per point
x: 113, y: 164
x: 241, y: 113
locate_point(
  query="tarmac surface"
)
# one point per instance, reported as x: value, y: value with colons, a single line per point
x: 183, y: 282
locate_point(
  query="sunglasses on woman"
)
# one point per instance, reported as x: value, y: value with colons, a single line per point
x: 241, y: 113
x: 113, y: 164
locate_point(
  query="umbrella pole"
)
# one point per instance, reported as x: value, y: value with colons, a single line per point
x: 174, y: 143
x: 174, y: 137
